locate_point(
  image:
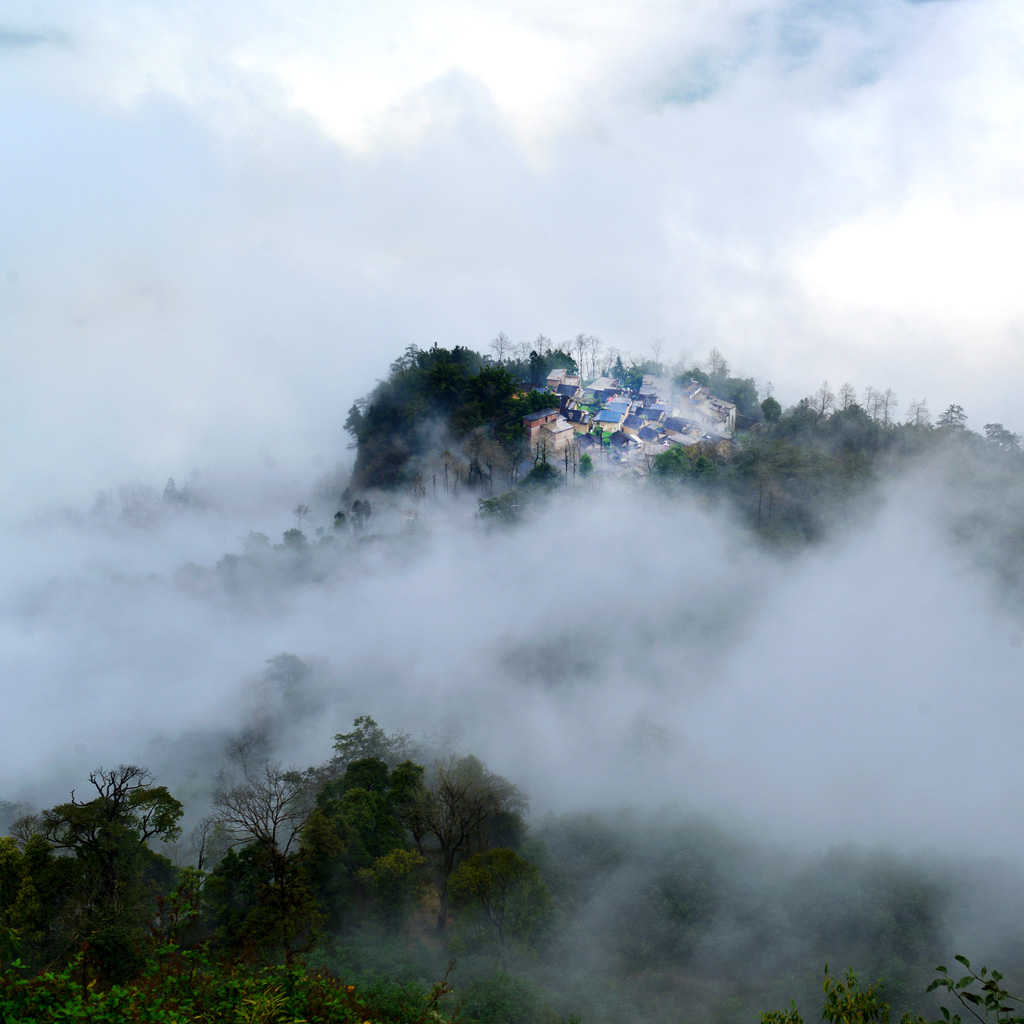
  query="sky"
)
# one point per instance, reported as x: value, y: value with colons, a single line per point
x: 222, y: 222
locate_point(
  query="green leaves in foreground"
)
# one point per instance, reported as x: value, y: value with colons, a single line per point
x: 979, y: 993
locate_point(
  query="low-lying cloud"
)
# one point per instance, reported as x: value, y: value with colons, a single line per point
x: 620, y: 648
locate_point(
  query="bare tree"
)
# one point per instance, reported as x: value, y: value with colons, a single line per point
x: 578, y: 347
x: 209, y: 841
x: 847, y: 396
x: 500, y: 346
x: 887, y: 403
x: 717, y: 364
x: 302, y: 514
x: 821, y: 403
x: 270, y: 806
x: 917, y: 413
x: 269, y: 809
x: 872, y: 398
x: 656, y: 346
x: 594, y: 347
x: 610, y: 358
x: 513, y: 452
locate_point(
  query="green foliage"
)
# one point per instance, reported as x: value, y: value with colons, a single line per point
x: 396, y: 880
x: 586, y: 465
x: 459, y: 388
x: 178, y: 985
x: 506, y: 508
x: 771, y: 410
x: 368, y: 740
x: 504, y: 891
x: 362, y: 819
x: 679, y: 463
x: 104, y: 888
x: 953, y: 420
x: 981, y: 994
x: 632, y: 376
x: 542, y: 477
x: 500, y: 999
x: 741, y: 391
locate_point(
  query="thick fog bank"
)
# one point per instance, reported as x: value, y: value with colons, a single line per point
x: 618, y: 648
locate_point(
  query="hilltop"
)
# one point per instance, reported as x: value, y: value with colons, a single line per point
x: 505, y: 426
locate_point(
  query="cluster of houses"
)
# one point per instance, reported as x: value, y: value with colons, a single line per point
x: 643, y: 422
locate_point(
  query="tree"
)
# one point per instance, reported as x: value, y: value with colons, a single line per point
x: 500, y: 346
x: 1001, y: 439
x: 536, y: 368
x: 396, y: 880
x: 771, y: 410
x: 126, y: 813
x: 917, y: 413
x: 302, y: 513
x: 368, y: 740
x: 871, y: 400
x: 294, y: 540
x: 586, y: 465
x: 887, y: 403
x: 742, y: 392
x: 847, y: 396
x: 505, y: 891
x: 267, y: 813
x: 716, y: 364
x: 953, y: 420
x: 465, y: 807
x: 111, y: 895
x: 361, y: 511
x: 820, y: 404
x: 593, y: 346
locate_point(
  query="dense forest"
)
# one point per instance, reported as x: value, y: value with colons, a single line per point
x: 373, y: 887
x: 399, y: 878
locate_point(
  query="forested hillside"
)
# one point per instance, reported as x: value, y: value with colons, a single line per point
x: 374, y: 887
x: 646, y: 636
x: 789, y: 473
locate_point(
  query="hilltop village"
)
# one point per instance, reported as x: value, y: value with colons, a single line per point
x: 629, y: 426
x: 455, y: 417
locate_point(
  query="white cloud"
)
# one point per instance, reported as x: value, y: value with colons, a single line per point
x: 230, y: 219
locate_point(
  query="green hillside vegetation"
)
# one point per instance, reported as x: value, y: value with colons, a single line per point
x: 375, y: 888
x: 452, y: 418
x: 438, y: 397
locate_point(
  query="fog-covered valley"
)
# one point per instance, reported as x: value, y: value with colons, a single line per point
x: 840, y: 716
x: 619, y: 646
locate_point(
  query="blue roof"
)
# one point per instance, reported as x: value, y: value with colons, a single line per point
x: 607, y: 416
x: 618, y: 406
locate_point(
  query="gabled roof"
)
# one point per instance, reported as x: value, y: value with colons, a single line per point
x: 534, y: 416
